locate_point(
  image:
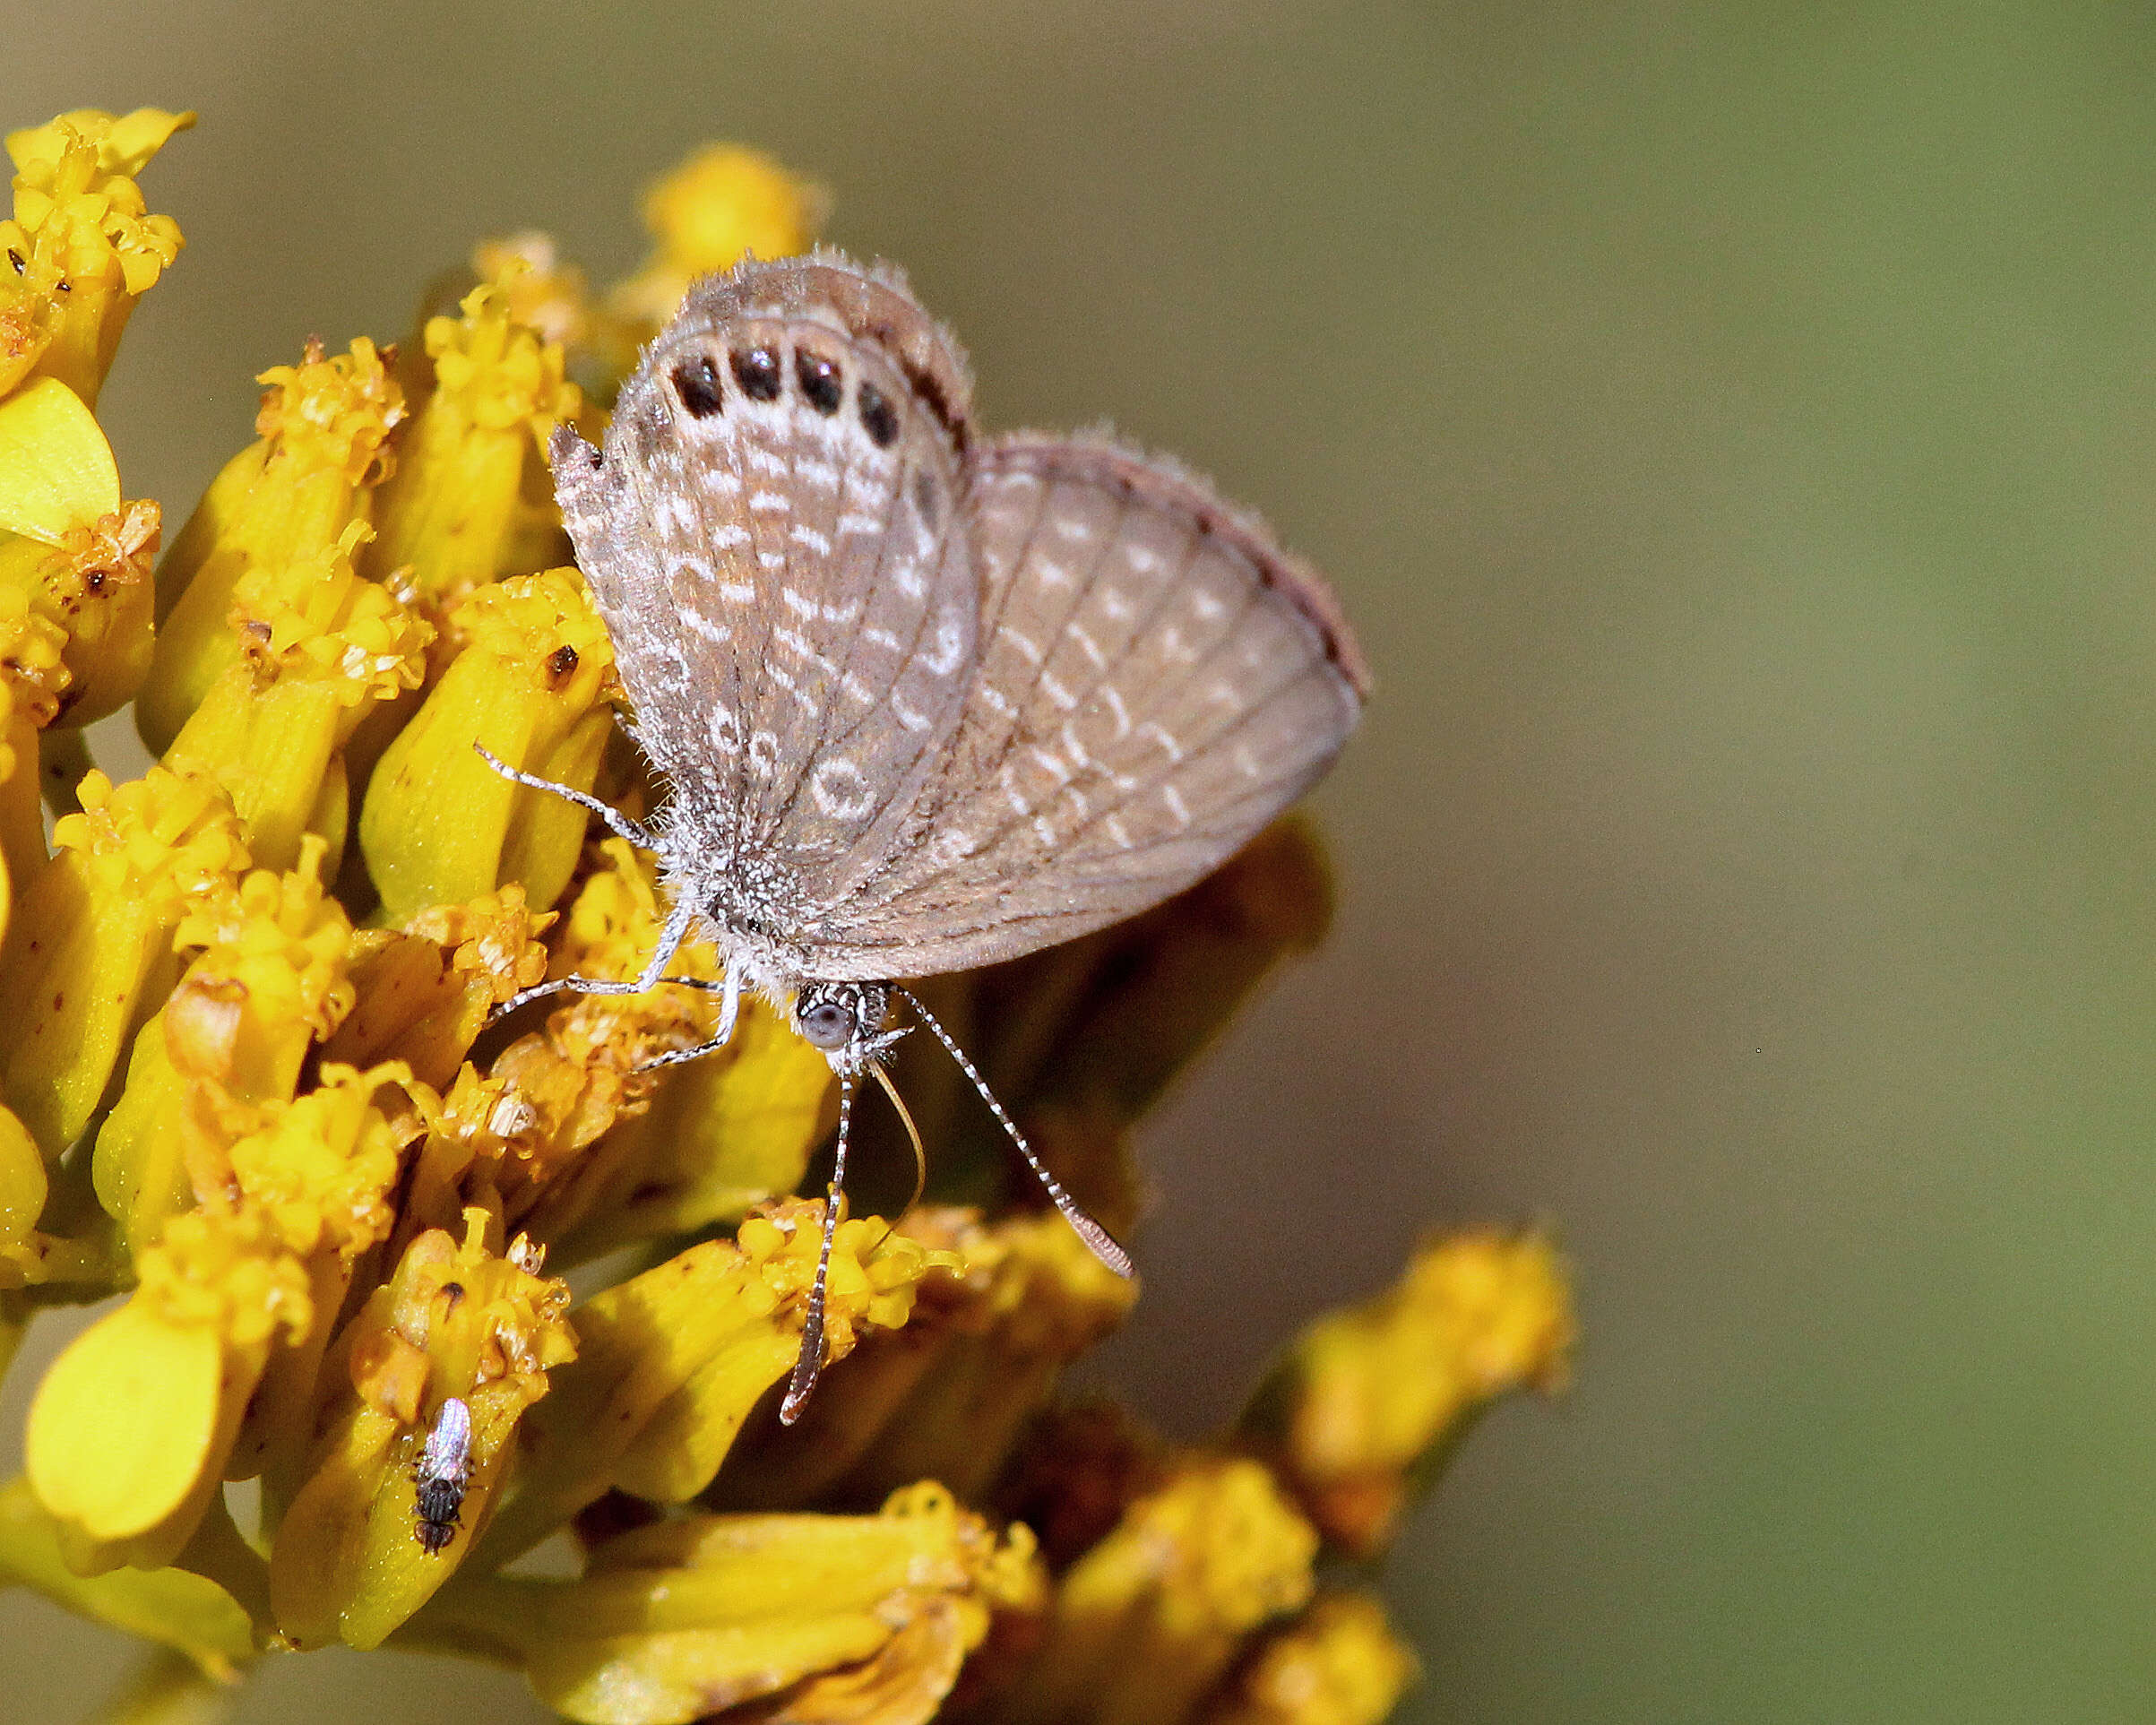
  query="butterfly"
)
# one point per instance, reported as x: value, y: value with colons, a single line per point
x: 924, y: 699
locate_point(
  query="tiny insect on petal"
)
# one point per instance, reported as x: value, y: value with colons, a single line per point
x: 440, y: 1476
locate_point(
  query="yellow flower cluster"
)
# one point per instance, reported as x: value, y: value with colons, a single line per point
x: 253, y: 1087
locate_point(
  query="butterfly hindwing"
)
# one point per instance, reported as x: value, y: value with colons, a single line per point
x: 1156, y: 681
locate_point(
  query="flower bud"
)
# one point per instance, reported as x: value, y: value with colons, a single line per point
x: 1362, y: 1409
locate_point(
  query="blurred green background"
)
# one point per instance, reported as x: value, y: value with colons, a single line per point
x: 1733, y: 430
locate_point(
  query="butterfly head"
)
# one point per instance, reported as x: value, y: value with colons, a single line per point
x: 845, y: 1021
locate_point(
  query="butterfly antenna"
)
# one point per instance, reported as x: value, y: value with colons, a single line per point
x: 1103, y: 1244
x: 811, y: 1360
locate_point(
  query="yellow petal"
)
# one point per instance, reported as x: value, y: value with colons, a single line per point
x: 92, y: 1458
x: 180, y: 1360
x: 57, y: 471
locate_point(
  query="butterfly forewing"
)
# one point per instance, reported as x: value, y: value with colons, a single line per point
x: 1156, y: 681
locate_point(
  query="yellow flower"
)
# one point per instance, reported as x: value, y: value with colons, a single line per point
x: 723, y: 204
x: 277, y: 508
x: 82, y: 247
x: 671, y: 1362
x: 1339, y: 1663
x: 179, y: 1360
x: 463, y: 1321
x: 93, y: 952
x: 319, y: 647
x: 1360, y: 1410
x: 1149, y: 1618
x: 830, y: 1617
x: 529, y: 684
x: 471, y: 500
x: 269, y: 984
x: 947, y: 1397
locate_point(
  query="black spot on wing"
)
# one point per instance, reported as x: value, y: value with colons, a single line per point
x: 756, y: 370
x: 820, y: 381
x: 879, y: 418
x: 696, y: 381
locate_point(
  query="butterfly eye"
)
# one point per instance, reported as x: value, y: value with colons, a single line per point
x: 826, y: 1024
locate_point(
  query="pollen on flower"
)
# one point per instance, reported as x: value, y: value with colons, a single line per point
x: 331, y: 414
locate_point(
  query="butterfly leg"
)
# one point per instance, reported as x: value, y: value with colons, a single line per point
x: 675, y: 931
x: 730, y: 1009
x: 670, y: 937
x: 618, y: 822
